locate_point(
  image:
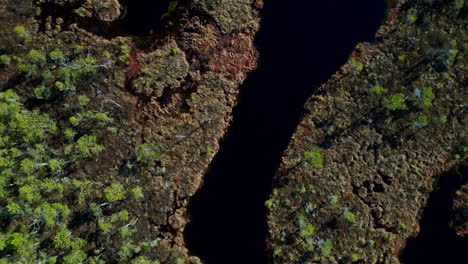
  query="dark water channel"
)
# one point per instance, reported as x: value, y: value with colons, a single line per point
x: 302, y: 44
x: 437, y: 243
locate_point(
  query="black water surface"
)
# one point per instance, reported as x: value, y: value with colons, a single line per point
x: 302, y: 44
x: 143, y: 16
x: 139, y: 18
x: 436, y: 242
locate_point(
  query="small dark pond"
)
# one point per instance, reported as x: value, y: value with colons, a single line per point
x: 143, y: 16
x: 139, y: 17
x: 302, y: 44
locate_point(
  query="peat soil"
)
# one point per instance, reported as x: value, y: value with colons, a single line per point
x: 437, y: 243
x: 302, y: 43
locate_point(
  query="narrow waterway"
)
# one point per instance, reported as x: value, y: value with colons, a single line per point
x: 302, y: 44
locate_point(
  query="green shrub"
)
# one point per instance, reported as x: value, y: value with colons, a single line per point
x: 28, y: 69
x: 21, y: 243
x: 83, y: 100
x: 65, y: 86
x: 97, y: 119
x: 63, y: 238
x: 85, y: 147
x: 75, y: 257
x: 147, y: 153
x: 427, y: 96
x: 396, y: 102
x: 29, y: 193
x: 326, y: 248
x: 356, y: 66
x: 47, y: 75
x: 137, y: 193
x: 307, y: 231
x: 115, y: 192
x: 22, y: 33
x: 37, y: 57
x: 105, y: 225
x: 14, y: 209
x: 126, y: 231
x: 55, y: 165
x: 314, y: 157
x: 121, y: 216
x: 5, y: 60
x: 56, y: 55
x: 31, y: 126
x: 42, y: 92
x: 51, y: 213
x: 271, y: 203
x: 421, y: 122
x: 27, y: 166
x: 379, y: 90
x: 350, y: 217
x: 78, y: 49
x: 144, y: 260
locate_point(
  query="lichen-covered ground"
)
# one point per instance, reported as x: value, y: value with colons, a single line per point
x: 103, y: 143
x: 363, y: 161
